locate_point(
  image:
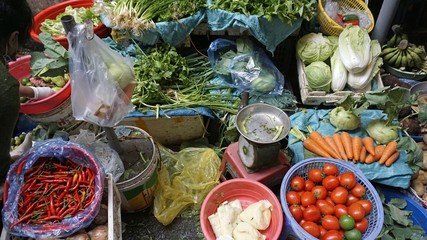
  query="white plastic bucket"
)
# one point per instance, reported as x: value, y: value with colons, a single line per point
x: 137, y: 193
x: 62, y: 115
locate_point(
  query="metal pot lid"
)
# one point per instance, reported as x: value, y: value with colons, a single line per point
x: 262, y: 123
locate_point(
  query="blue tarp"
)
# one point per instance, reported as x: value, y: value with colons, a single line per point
x: 397, y: 175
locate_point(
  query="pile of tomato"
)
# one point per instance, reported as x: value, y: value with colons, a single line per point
x: 329, y: 204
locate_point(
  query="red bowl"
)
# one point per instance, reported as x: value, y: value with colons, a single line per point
x: 248, y: 192
x: 51, y: 12
x: 21, y: 69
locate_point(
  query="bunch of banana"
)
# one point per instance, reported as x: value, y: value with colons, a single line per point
x: 404, y: 55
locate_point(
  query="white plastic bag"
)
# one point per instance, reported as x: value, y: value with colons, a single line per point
x: 102, y: 81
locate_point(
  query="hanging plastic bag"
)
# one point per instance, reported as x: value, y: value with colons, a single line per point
x: 46, y: 156
x: 109, y: 158
x: 102, y: 80
x: 184, y: 180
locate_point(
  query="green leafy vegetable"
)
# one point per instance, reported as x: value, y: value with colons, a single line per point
x: 287, y: 11
x: 55, y: 27
x: 354, y: 45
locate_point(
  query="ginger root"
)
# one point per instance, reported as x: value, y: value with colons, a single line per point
x: 418, y: 183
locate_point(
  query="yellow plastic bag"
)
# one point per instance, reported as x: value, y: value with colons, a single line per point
x: 184, y: 180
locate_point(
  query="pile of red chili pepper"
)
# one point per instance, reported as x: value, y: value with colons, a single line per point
x: 54, y: 190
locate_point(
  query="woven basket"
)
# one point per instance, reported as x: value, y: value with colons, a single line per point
x: 375, y: 218
x: 330, y: 27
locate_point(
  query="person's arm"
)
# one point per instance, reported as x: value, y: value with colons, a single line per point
x: 36, y: 93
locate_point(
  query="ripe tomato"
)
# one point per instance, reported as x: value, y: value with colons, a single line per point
x: 330, y: 182
x: 332, y: 235
x: 311, y: 213
x: 307, y: 198
x: 326, y: 208
x: 329, y: 199
x: 311, y: 228
x: 348, y: 180
x: 330, y: 222
x: 296, y: 212
x: 339, y: 195
x: 319, y: 192
x: 293, y: 197
x: 323, y: 231
x: 351, y: 199
x: 358, y: 190
x: 366, y: 204
x: 309, y: 185
x: 357, y: 211
x: 330, y: 169
x: 297, y: 183
x: 340, y: 210
x: 316, y: 175
x: 362, y: 225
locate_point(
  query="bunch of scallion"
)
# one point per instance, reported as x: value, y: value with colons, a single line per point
x: 286, y: 10
x: 136, y: 16
x: 166, y: 81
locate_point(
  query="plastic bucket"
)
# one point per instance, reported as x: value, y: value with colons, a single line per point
x: 137, y: 193
x: 62, y: 115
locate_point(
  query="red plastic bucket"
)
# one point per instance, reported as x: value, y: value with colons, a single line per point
x: 21, y: 69
x: 51, y: 12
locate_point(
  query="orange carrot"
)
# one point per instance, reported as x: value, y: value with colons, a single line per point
x: 392, y: 159
x: 363, y: 155
x: 370, y: 159
x: 318, y: 138
x: 369, y: 144
x: 312, y: 146
x: 338, y: 142
x: 389, y: 150
x: 331, y: 143
x: 379, y: 149
x: 347, y: 143
x: 357, y: 148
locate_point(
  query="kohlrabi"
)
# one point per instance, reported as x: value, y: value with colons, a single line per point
x: 346, y: 114
x: 381, y: 132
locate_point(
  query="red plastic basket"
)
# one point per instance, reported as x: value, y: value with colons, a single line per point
x: 21, y: 69
x: 51, y: 12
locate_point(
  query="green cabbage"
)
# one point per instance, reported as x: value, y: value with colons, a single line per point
x: 314, y: 47
x: 318, y: 76
x: 264, y: 83
x: 354, y: 45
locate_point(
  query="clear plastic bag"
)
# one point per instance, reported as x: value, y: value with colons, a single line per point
x: 184, y: 180
x: 109, y: 158
x: 63, y: 151
x: 102, y: 80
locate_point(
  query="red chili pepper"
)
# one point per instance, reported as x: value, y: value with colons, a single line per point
x: 20, y: 220
x: 353, y: 22
x: 60, y: 166
x: 52, y: 218
x: 21, y: 164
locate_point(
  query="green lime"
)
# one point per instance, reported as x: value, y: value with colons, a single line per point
x: 25, y: 81
x: 347, y: 222
x: 353, y: 234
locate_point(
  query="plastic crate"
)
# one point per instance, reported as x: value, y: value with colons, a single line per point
x: 309, y: 97
x: 114, y: 214
x: 375, y: 218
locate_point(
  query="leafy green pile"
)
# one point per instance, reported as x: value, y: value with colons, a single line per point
x: 166, y: 80
x: 54, y: 26
x: 397, y: 222
x: 286, y: 10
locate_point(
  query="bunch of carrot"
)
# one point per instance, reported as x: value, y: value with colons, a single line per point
x: 344, y: 146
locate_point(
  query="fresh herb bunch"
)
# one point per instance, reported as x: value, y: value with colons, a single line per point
x: 286, y: 10
x: 166, y: 80
x: 181, y: 9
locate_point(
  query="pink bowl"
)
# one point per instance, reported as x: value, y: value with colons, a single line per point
x: 21, y: 69
x: 248, y: 192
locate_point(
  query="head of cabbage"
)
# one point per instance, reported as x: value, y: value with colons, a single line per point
x: 314, y: 47
x: 319, y: 76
